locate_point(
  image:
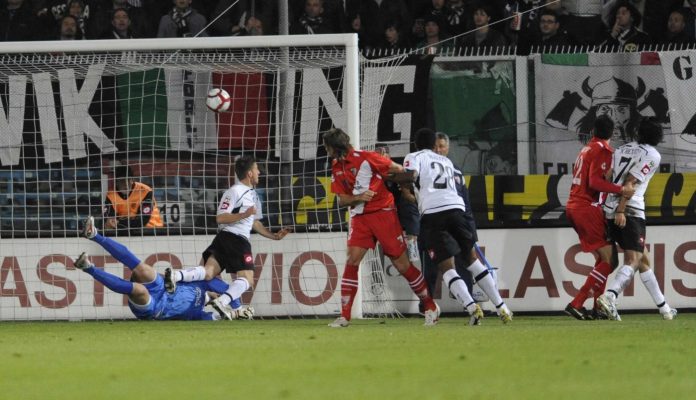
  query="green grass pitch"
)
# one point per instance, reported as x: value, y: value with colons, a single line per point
x: 642, y: 357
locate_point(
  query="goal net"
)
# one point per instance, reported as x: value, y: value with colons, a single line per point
x: 73, y: 113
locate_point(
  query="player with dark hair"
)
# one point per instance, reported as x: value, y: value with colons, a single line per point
x: 583, y: 210
x: 357, y: 178
x: 238, y: 214
x: 130, y: 204
x: 444, y: 228
x: 430, y: 270
x: 147, y: 297
x: 634, y: 164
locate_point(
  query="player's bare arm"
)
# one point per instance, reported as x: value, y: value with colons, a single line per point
x: 630, y: 186
x: 407, y: 192
x: 403, y: 176
x: 349, y: 200
x: 232, y: 218
x: 395, y: 168
x: 263, y: 231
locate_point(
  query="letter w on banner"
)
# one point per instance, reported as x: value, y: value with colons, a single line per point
x: 680, y: 83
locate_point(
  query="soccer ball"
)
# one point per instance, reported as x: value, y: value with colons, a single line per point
x: 218, y: 100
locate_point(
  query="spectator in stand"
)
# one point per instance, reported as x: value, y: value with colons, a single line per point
x: 312, y: 21
x: 355, y: 25
x: 522, y: 20
x: 69, y: 29
x: 101, y: 22
x: 624, y: 34
x: 393, y: 37
x: 551, y: 36
x: 120, y: 26
x: 374, y: 15
x: 676, y: 29
x: 484, y: 36
x: 253, y: 27
x: 334, y: 14
x: 437, y: 8
x: 182, y: 21
x: 655, y: 14
x: 689, y: 11
x: 434, y: 42
x: 81, y: 12
x: 17, y: 22
x: 234, y: 21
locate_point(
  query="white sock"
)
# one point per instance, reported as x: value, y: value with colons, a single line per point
x: 486, y: 283
x: 238, y: 286
x: 189, y: 274
x: 650, y: 283
x: 621, y: 279
x: 457, y: 287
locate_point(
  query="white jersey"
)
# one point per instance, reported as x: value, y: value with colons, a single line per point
x: 435, y: 182
x: 235, y: 200
x: 639, y: 160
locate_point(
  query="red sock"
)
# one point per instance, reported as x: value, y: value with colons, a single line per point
x: 595, y: 282
x: 602, y: 271
x: 349, y: 287
x: 419, y: 287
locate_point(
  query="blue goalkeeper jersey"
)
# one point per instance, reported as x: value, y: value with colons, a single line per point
x: 187, y: 302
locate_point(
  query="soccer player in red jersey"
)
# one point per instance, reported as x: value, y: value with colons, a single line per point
x: 591, y: 171
x: 357, y: 178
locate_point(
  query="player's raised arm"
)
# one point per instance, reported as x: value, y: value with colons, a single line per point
x: 405, y: 175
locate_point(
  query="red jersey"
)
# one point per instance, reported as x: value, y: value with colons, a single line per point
x: 358, y: 172
x: 589, y: 174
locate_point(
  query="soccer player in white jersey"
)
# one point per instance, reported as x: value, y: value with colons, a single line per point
x: 634, y: 164
x: 238, y: 213
x: 443, y: 225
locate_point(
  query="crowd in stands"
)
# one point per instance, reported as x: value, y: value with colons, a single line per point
x: 627, y: 25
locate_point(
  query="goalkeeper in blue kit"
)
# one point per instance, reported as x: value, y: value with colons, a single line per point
x: 147, y: 297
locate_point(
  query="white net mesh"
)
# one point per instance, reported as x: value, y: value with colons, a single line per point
x: 70, y: 119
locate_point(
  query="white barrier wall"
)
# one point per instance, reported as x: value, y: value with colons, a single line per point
x: 540, y: 270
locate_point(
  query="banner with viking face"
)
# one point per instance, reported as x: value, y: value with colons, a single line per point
x: 572, y: 90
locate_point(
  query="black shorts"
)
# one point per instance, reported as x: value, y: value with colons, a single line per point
x: 471, y: 223
x: 232, y: 252
x: 409, y: 217
x: 631, y: 236
x: 445, y: 234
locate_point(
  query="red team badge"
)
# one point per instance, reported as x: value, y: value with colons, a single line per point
x: 431, y: 254
x: 146, y: 210
x: 645, y: 169
x: 248, y: 259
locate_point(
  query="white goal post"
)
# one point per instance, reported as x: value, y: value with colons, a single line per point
x: 72, y: 111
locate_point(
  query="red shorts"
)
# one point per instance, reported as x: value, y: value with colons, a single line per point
x: 590, y: 225
x: 382, y: 226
